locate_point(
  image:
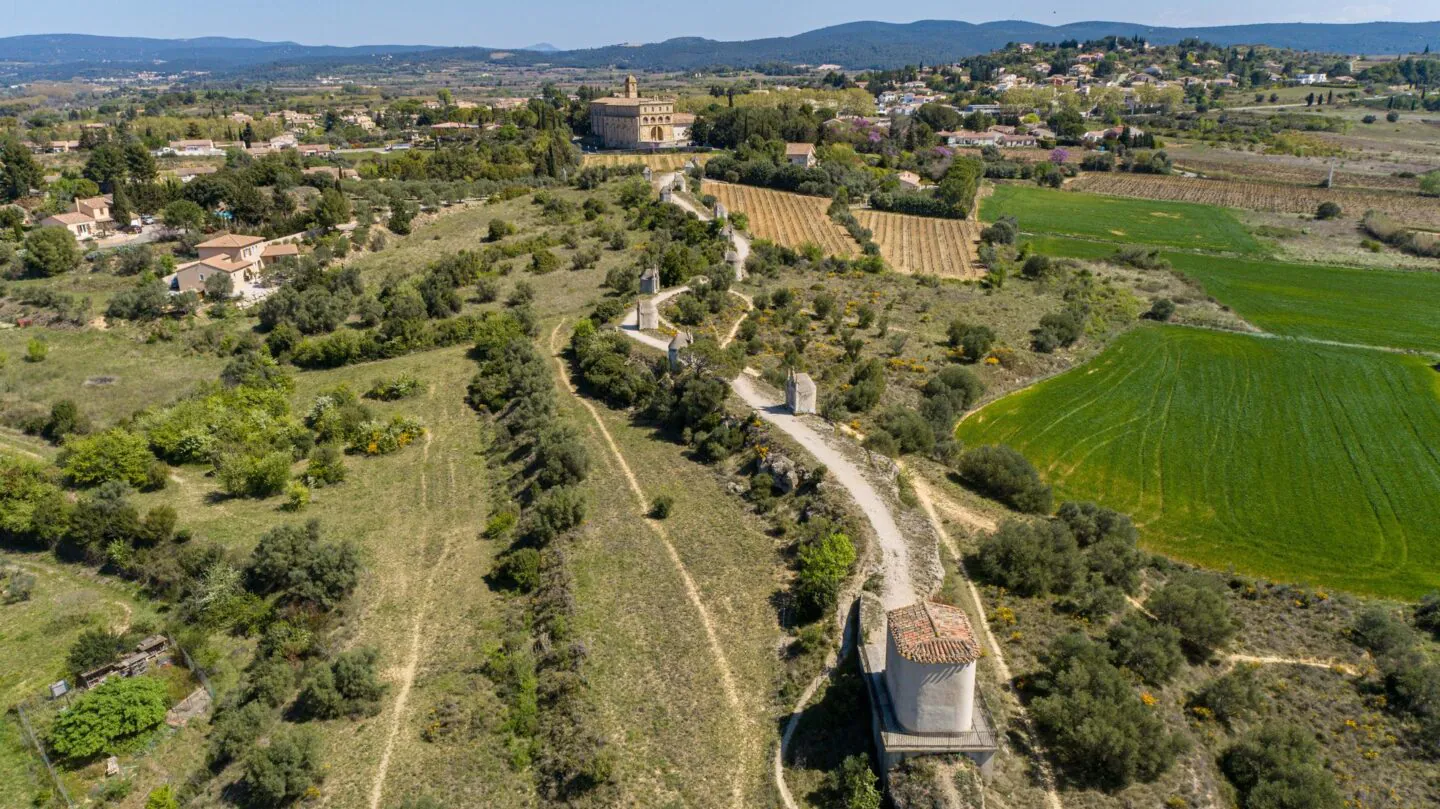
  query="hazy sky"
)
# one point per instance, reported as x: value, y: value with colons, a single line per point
x: 586, y: 23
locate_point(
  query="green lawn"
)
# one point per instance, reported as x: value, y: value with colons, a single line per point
x: 1132, y: 221
x: 1298, y: 462
x: 1392, y: 308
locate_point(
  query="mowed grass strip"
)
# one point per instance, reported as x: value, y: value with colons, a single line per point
x: 1131, y: 221
x: 655, y: 682
x: 1388, y: 308
x: 1298, y: 462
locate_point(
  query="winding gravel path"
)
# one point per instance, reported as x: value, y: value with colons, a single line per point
x: 898, y: 589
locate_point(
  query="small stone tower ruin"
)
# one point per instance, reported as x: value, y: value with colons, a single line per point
x: 647, y: 315
x: 650, y: 281
x: 799, y: 393
x: 678, y: 343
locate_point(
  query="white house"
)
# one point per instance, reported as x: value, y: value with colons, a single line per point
x: 800, y: 154
x: 965, y: 137
x: 1312, y: 78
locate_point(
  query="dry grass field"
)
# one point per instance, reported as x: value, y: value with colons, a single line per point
x: 1229, y: 164
x: 669, y: 161
x: 789, y: 219
x: 657, y: 684
x: 1412, y: 210
x: 922, y: 244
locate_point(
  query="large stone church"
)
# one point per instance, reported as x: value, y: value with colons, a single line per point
x: 627, y: 121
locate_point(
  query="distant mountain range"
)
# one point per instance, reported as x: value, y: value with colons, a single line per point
x: 854, y: 45
x: 87, y: 53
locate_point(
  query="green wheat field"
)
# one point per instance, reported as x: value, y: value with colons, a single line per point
x: 1299, y: 462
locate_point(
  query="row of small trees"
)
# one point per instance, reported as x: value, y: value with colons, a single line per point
x: 556, y: 731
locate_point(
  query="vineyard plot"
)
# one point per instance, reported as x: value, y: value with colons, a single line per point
x: 672, y: 161
x: 791, y: 220
x: 1411, y: 210
x: 922, y: 244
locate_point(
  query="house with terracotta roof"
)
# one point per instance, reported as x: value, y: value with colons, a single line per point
x: 276, y: 252
x: 800, y: 154
x: 77, y: 223
x: 238, y: 255
x: 97, y: 208
x: 234, y: 246
x: 315, y: 149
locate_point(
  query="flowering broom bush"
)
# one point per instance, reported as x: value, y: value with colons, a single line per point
x: 383, y: 438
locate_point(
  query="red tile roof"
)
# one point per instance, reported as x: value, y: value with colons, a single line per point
x: 231, y: 240
x: 926, y: 632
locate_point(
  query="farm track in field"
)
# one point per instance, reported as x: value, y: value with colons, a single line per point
x: 787, y: 219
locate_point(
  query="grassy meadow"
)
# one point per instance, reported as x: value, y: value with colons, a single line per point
x: 655, y: 680
x: 1296, y: 462
x: 109, y: 374
x: 1389, y: 308
x: 1119, y: 219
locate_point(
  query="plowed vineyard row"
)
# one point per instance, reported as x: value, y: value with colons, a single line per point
x: 1411, y: 210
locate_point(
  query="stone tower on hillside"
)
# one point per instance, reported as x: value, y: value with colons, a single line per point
x: 681, y: 341
x: 647, y: 315
x: 799, y: 393
x: 930, y: 656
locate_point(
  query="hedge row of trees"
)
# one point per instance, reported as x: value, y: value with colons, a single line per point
x: 549, y: 717
x: 288, y: 594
